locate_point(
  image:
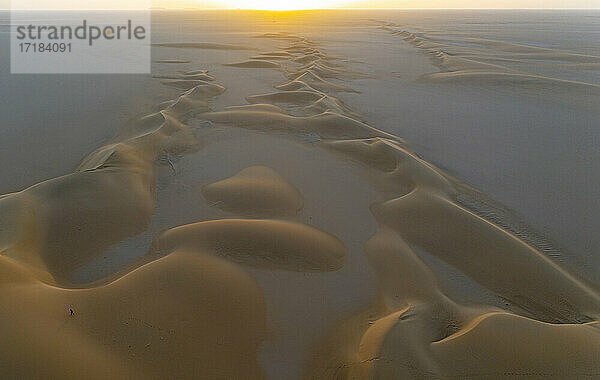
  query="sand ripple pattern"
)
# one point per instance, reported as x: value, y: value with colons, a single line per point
x: 465, y: 60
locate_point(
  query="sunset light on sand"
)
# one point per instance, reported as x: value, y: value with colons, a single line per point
x: 266, y: 189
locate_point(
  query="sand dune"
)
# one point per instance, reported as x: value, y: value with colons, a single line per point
x: 138, y: 326
x: 422, y: 333
x: 302, y: 97
x: 204, y: 45
x: 456, y: 230
x: 429, y: 194
x: 260, y: 107
x: 255, y: 191
x: 200, y: 303
x: 86, y: 333
x: 403, y: 277
x: 321, y: 70
x: 493, y: 345
x: 326, y: 125
x: 296, y: 85
x: 262, y: 243
x: 67, y: 221
x: 255, y: 64
x: 309, y: 79
x: 74, y: 217
x: 523, y: 80
x: 330, y: 104
x: 184, y: 84
x: 402, y: 170
x: 187, y: 76
x: 269, y: 57
x: 205, y: 90
x: 193, y: 101
x: 469, y: 61
x: 171, y: 61
x: 278, y: 54
x: 195, y: 72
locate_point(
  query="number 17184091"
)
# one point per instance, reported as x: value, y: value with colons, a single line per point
x: 40, y: 47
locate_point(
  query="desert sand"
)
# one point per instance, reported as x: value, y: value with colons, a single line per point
x: 249, y: 222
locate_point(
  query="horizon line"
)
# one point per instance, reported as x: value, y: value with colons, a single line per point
x: 295, y: 10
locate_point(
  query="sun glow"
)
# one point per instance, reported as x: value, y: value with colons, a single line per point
x: 280, y: 5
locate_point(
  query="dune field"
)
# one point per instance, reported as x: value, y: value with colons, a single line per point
x: 308, y: 195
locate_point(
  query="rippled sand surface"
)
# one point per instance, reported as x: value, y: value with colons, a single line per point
x: 309, y: 195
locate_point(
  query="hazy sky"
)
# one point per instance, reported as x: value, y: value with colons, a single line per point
x: 136, y: 4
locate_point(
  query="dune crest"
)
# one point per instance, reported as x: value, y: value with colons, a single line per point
x: 137, y: 326
x: 272, y: 244
x: 63, y: 223
x: 255, y: 64
x: 171, y: 61
x: 256, y: 191
x: 204, y: 45
x: 395, y: 347
x: 478, y: 248
x: 192, y: 306
x: 197, y: 75
x: 496, y: 64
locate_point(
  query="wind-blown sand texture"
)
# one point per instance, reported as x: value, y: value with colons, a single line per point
x: 497, y: 64
x: 201, y: 296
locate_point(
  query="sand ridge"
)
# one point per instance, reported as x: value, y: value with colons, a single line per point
x: 263, y: 243
x: 65, y: 222
x: 203, y: 45
x: 190, y: 307
x: 138, y: 326
x: 497, y: 64
x: 418, y: 318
